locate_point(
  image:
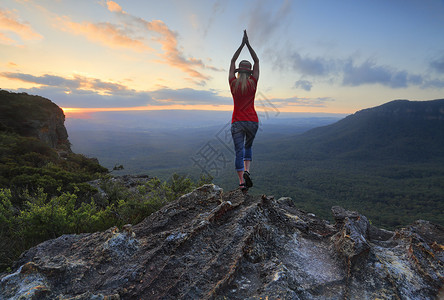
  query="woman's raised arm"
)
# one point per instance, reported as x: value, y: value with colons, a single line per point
x: 231, y: 72
x: 253, y: 55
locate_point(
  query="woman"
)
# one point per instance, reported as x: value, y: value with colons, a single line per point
x: 244, y: 122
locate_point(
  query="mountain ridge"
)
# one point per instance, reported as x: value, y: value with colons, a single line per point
x: 398, y: 130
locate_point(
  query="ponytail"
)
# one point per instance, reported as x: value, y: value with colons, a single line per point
x: 242, y: 82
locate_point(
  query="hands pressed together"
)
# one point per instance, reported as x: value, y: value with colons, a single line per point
x: 245, y: 38
x: 245, y: 42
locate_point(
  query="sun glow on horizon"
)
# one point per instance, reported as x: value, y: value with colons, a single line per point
x: 85, y: 112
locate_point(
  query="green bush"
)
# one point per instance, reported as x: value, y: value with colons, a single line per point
x: 11, y: 245
x: 44, y: 215
x: 27, y: 164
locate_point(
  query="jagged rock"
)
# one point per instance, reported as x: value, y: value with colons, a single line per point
x: 351, y: 240
x: 213, y: 245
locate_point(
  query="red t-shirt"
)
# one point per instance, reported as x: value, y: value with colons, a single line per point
x: 244, y: 103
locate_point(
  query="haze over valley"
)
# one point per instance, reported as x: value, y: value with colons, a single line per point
x: 162, y: 141
x: 386, y: 160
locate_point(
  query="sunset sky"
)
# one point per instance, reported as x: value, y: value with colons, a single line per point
x: 335, y: 56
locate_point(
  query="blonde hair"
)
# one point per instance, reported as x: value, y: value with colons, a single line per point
x: 241, y: 82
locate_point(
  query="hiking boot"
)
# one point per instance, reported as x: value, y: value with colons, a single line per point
x: 247, y: 178
x: 243, y: 187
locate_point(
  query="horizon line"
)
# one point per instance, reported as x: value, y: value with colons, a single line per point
x: 86, y: 111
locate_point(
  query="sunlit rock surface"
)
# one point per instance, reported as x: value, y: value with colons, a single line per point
x: 214, y: 245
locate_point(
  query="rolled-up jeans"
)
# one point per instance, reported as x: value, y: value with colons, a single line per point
x: 243, y: 133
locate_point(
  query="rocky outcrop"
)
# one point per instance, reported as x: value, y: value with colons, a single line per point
x: 34, y: 116
x: 52, y: 131
x: 213, y: 245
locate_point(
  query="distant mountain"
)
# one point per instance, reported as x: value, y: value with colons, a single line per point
x: 399, y: 130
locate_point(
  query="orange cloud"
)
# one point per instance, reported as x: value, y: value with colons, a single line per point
x: 10, y: 23
x: 168, y: 41
x: 120, y: 36
x: 114, y: 7
x: 106, y: 33
x: 172, y: 56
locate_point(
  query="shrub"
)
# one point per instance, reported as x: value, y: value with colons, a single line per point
x: 44, y: 215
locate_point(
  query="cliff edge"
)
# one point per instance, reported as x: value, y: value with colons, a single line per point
x: 33, y: 116
x: 214, y: 245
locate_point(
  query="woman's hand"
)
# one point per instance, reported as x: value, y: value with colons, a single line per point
x: 245, y: 38
x: 253, y: 55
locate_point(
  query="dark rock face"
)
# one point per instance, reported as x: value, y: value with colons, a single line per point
x: 214, y: 245
x: 34, y: 116
x: 52, y: 131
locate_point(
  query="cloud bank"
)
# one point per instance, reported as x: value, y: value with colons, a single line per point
x: 370, y: 73
x: 69, y: 84
x: 86, y: 92
x: 348, y: 72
